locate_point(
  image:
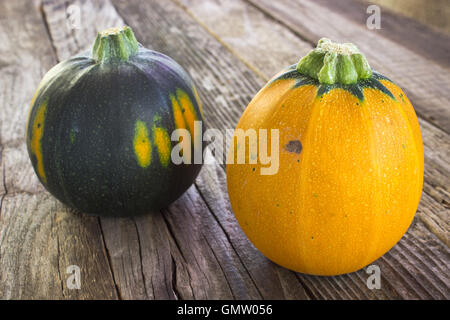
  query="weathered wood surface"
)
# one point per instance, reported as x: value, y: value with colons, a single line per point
x: 424, y: 81
x: 194, y: 248
x: 407, y: 32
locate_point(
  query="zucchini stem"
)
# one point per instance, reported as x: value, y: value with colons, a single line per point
x: 115, y: 44
x: 335, y: 63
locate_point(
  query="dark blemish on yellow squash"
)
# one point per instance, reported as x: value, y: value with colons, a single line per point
x: 253, y: 169
x: 294, y: 146
x: 315, y: 195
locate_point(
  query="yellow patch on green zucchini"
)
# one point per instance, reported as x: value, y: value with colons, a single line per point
x: 187, y: 108
x: 162, y: 141
x: 184, y: 112
x: 142, y: 144
x: 37, y: 131
x: 198, y: 100
x: 177, y: 113
x: 33, y: 100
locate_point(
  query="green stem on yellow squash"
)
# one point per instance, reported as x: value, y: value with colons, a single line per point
x: 332, y: 63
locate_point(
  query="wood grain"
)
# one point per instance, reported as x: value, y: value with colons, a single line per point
x: 403, y: 30
x: 424, y: 81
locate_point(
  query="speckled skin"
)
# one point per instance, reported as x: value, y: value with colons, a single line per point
x: 85, y: 143
x: 350, y: 173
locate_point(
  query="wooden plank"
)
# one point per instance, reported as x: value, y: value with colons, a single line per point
x: 39, y: 238
x: 433, y: 14
x: 94, y: 16
x: 139, y: 274
x: 405, y: 31
x: 263, y: 44
x: 424, y: 81
x: 435, y: 216
x: 208, y: 256
x: 226, y: 85
x: 248, y: 33
x: 240, y: 21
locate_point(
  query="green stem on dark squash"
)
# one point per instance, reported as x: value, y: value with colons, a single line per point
x: 115, y: 43
x: 335, y: 63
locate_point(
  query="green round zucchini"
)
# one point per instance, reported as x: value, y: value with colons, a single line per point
x: 99, y: 129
